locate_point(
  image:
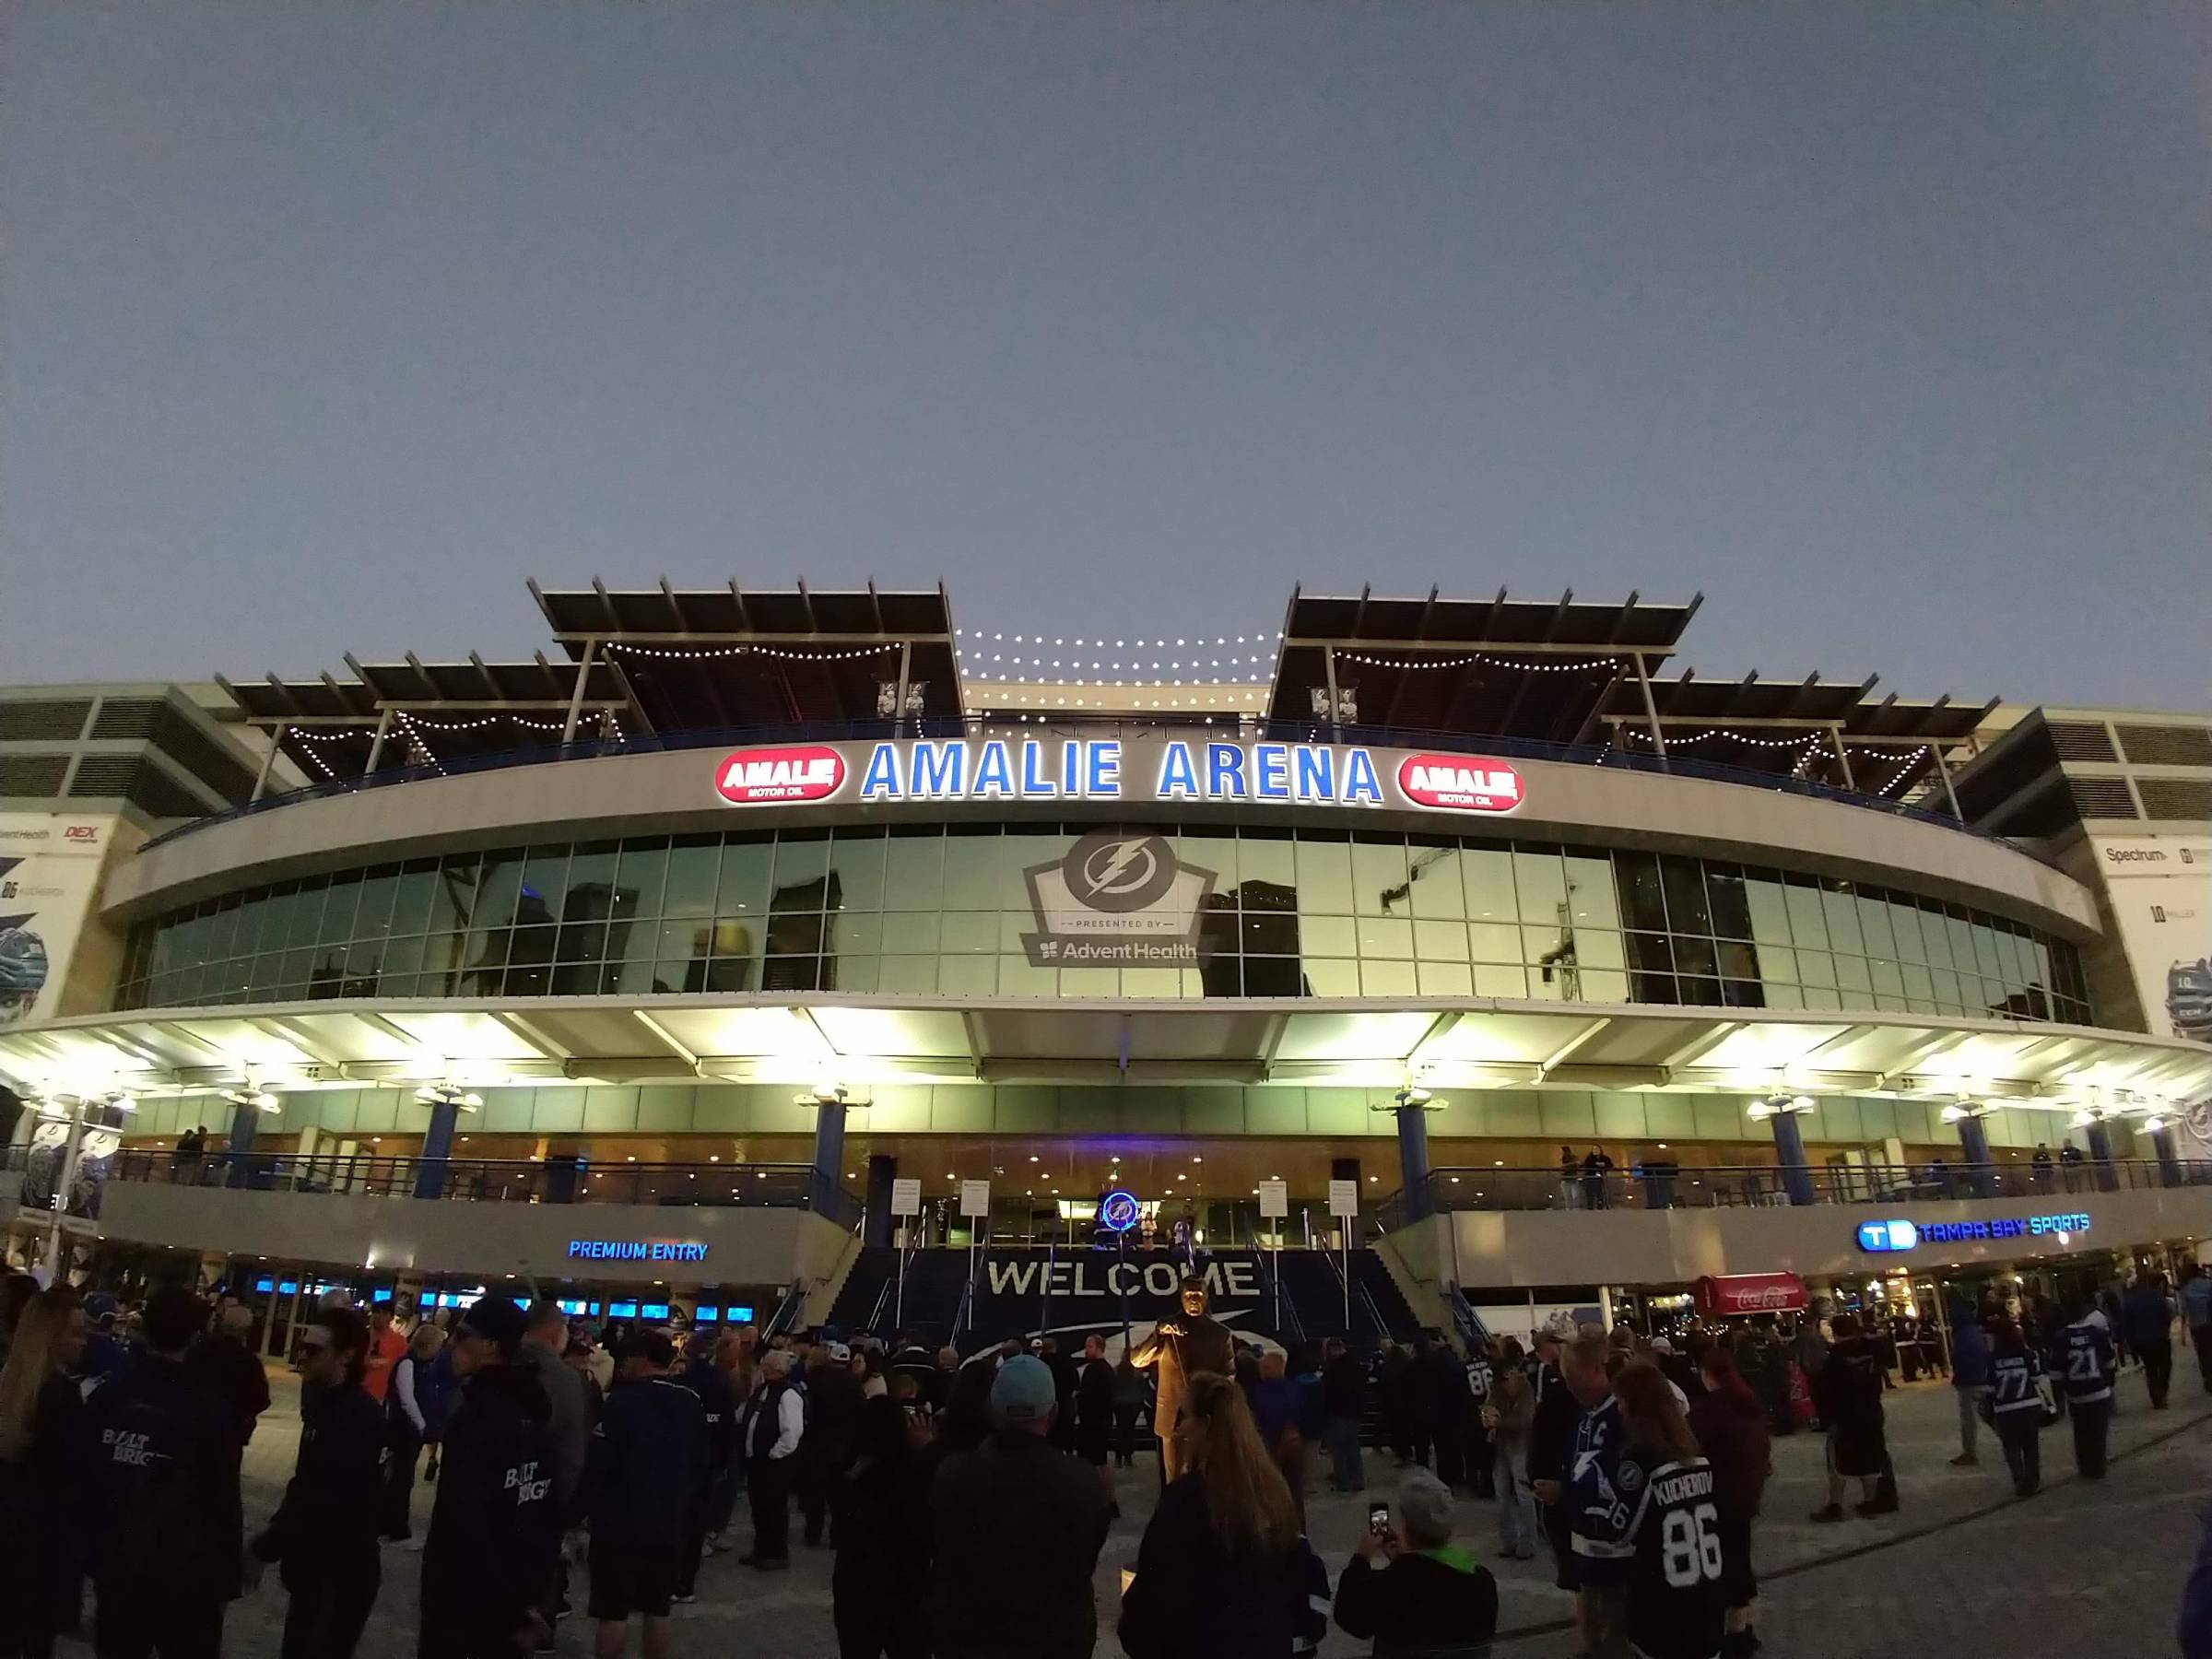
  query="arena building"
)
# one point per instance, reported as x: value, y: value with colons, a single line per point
x: 794, y: 954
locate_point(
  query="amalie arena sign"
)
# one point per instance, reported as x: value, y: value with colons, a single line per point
x: 1107, y: 769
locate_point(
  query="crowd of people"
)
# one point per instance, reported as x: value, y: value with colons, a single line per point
x: 967, y: 1498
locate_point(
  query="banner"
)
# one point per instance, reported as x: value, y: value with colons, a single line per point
x: 1070, y: 1293
x: 1742, y: 1293
x: 49, y: 870
x: 2160, y: 889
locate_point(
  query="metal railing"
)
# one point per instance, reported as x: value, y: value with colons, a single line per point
x: 1672, y: 1186
x: 497, y: 1181
x: 1264, y: 730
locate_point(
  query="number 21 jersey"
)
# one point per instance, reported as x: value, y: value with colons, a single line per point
x: 1677, y: 1606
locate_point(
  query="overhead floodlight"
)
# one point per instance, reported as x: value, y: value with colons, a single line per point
x: 448, y: 1094
x: 1779, y: 1105
x: 2153, y: 1124
x: 260, y: 1100
x: 2082, y: 1119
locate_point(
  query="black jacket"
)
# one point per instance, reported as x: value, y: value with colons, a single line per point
x: 718, y: 1402
x: 882, y: 1520
x: 43, y: 1501
x: 1016, y: 1525
x: 224, y: 1364
x: 1188, y: 1600
x: 328, y: 1520
x: 1416, y: 1601
x: 495, y: 1528
x: 646, y: 1473
x: 833, y: 1401
x: 166, y: 1510
x: 1551, y: 1435
x: 1094, y: 1395
x: 1344, y: 1386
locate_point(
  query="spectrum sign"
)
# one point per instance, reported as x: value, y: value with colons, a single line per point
x: 992, y: 768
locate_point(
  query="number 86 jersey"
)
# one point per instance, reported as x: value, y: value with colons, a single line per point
x: 1678, y: 1608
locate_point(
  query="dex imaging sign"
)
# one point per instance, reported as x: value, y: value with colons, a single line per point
x: 1144, y: 770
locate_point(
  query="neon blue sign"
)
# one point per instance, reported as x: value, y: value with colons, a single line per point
x: 1118, y: 1211
x: 1877, y: 1237
x: 959, y: 769
x: 635, y: 1250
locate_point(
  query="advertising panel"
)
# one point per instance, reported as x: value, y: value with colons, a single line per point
x: 49, y: 874
x: 2160, y: 891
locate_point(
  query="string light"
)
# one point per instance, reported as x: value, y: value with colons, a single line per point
x: 1582, y: 666
x: 1772, y: 743
x: 765, y: 651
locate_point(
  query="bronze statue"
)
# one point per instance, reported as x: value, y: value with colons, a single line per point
x: 1182, y: 1349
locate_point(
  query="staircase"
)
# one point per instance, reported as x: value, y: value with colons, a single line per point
x: 870, y: 1300
x: 863, y: 1290
x: 1313, y: 1298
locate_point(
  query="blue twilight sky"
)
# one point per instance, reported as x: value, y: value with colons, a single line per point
x: 322, y: 325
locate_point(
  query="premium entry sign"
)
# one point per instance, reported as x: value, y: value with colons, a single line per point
x: 1145, y: 770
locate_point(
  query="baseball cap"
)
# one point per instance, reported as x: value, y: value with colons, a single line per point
x: 840, y: 1353
x: 1660, y: 1345
x: 494, y: 1318
x: 1022, y: 1391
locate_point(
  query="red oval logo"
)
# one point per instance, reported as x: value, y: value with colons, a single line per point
x: 756, y: 777
x: 1459, y: 783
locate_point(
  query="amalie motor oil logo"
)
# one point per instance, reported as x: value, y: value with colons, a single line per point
x: 1459, y: 783
x: 756, y: 777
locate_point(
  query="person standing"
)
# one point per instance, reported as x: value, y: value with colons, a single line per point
x: 387, y: 1344
x: 1969, y: 1380
x: 832, y: 1398
x: 645, y: 1486
x: 2196, y: 1314
x: 323, y: 1535
x: 1016, y: 1527
x: 1550, y: 1450
x: 1431, y: 1595
x: 168, y: 1533
x: 709, y: 1384
x: 881, y: 1578
x: 222, y: 1362
x: 1094, y: 1413
x: 1481, y: 1378
x: 1571, y: 1168
x: 1222, y: 1569
x: 1591, y: 1495
x: 2019, y: 1402
x: 1849, y: 1392
x: 1668, y: 1513
x: 1509, y: 1412
x: 543, y: 1353
x: 41, y: 1469
x: 773, y: 1428
x: 494, y: 1526
x: 2086, y: 1370
x: 1596, y: 1167
x: 406, y: 1425
x: 1730, y: 1425
x: 2146, y: 1320
x: 1344, y: 1396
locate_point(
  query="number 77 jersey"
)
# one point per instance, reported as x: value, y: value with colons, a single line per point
x: 1678, y: 1599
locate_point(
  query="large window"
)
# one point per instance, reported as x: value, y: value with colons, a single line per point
x: 943, y: 911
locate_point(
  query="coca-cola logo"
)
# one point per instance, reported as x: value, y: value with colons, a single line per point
x: 1459, y: 783
x: 1751, y: 1293
x: 1772, y: 1296
x: 758, y: 777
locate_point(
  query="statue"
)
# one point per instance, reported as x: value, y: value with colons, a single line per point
x: 1182, y: 1349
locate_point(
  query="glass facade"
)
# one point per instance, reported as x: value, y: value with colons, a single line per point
x: 942, y: 910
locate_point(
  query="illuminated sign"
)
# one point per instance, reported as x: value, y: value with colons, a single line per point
x: 1882, y: 1236
x: 758, y: 776
x: 1108, y: 769
x: 635, y: 1250
x: 1118, y: 1211
x: 1117, y: 897
x: 1458, y: 783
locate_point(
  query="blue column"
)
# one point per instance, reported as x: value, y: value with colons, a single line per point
x: 2170, y: 1160
x: 1974, y: 1139
x: 437, y: 1147
x: 2099, y: 1137
x: 1789, y: 1152
x: 829, y: 1155
x: 238, y: 1162
x: 1412, y: 1161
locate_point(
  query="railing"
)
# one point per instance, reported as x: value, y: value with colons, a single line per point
x: 551, y: 1181
x: 1671, y: 1187
x: 1283, y: 731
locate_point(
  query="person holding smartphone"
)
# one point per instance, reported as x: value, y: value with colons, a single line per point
x: 1427, y: 1591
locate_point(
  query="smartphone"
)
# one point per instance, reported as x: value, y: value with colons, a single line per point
x: 1377, y: 1519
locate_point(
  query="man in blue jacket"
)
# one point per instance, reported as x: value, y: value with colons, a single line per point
x: 645, y: 1489
x: 2084, y: 1371
x: 2146, y: 1320
x: 1596, y: 1510
x: 1969, y: 1380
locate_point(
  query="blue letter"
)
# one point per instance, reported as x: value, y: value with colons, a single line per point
x: 882, y: 776
x: 938, y: 769
x: 1270, y: 772
x: 1178, y: 777
x: 1105, y: 777
x: 1225, y: 762
x: 1359, y: 779
x: 994, y: 773
x: 1316, y: 773
x: 1031, y: 783
x: 1071, y: 780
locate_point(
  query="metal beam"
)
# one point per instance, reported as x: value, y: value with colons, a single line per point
x: 1651, y: 711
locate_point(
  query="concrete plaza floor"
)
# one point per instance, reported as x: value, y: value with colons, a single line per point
x: 2074, y: 1569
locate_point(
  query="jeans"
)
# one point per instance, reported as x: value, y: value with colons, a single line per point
x: 1970, y: 1419
x: 1516, y: 1504
x: 769, y: 1487
x: 1345, y: 1471
x: 2022, y: 1433
x: 2092, y: 1422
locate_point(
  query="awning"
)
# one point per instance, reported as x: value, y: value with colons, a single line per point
x: 1735, y: 1294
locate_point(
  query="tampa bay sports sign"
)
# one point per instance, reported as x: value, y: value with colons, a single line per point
x: 1162, y: 771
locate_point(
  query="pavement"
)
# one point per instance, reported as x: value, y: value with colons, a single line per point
x: 2081, y: 1569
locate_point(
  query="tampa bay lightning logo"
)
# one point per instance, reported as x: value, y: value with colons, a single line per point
x: 1118, y: 1210
x: 1118, y: 870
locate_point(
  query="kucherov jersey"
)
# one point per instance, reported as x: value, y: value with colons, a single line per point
x: 1478, y: 1379
x: 2085, y: 1353
x: 1678, y: 1608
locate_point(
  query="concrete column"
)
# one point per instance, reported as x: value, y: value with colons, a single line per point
x: 1973, y: 1139
x: 437, y: 1147
x: 2099, y: 1137
x: 876, y: 1229
x: 829, y: 1152
x: 1412, y: 1161
x: 1789, y: 1152
x: 2170, y: 1161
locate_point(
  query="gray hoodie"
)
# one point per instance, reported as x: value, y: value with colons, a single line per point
x: 568, y: 1426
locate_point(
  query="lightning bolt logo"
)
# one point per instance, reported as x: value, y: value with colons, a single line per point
x: 1122, y: 855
